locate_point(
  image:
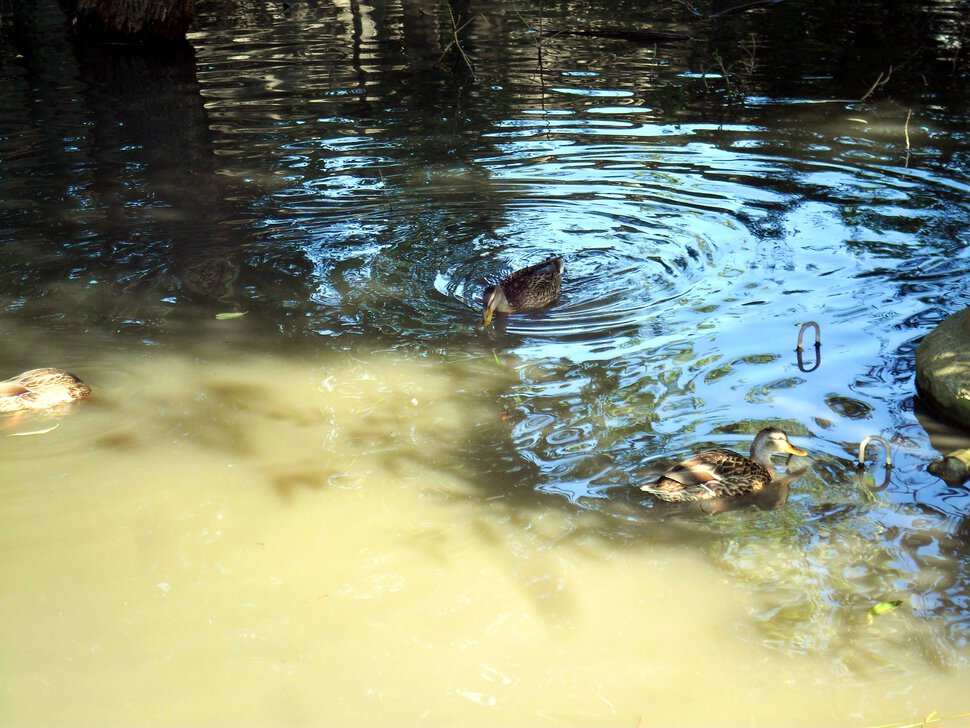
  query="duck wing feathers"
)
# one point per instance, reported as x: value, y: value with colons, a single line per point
x: 40, y: 389
x: 710, y: 474
x: 534, y: 287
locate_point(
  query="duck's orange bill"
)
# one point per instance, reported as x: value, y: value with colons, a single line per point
x: 792, y: 450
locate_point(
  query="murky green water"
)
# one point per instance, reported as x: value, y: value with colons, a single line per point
x: 351, y: 505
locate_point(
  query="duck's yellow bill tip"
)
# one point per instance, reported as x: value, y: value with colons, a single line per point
x: 792, y: 450
x: 487, y: 318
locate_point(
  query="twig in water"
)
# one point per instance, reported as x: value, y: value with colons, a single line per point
x: 746, y: 6
x: 959, y: 44
x: 909, y: 113
x: 390, y: 201
x: 539, y: 42
x: 879, y: 82
x: 724, y: 74
x: 456, y: 41
x: 737, y: 77
x: 691, y: 9
x: 750, y: 50
x: 539, y: 33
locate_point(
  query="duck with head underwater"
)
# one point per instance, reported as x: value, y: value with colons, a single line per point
x: 40, y: 389
x: 524, y: 290
x: 721, y: 473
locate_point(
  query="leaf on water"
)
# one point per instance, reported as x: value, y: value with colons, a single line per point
x: 933, y: 717
x: 35, y: 432
x: 882, y: 608
x: 856, y: 118
x: 230, y: 315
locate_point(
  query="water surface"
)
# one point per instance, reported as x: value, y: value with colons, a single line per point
x: 351, y: 505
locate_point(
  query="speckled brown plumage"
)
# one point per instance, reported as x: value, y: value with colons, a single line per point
x: 525, y: 290
x: 720, y: 473
x: 39, y: 389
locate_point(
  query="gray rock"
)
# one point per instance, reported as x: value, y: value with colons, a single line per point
x: 954, y: 468
x: 943, y: 367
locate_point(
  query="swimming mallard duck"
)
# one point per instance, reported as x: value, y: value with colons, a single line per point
x: 39, y: 389
x: 718, y: 473
x: 524, y: 290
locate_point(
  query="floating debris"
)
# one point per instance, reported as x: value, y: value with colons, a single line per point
x: 34, y: 432
x: 882, y: 608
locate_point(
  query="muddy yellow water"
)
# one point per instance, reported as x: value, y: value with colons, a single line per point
x: 270, y: 541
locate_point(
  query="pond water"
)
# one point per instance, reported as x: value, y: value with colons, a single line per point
x: 353, y: 506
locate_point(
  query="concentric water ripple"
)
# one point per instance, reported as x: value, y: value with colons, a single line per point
x: 712, y: 335
x: 692, y: 252
x: 618, y: 273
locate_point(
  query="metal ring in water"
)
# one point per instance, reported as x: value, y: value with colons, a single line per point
x: 865, y: 443
x: 876, y: 488
x: 818, y: 347
x: 801, y: 361
x: 801, y: 334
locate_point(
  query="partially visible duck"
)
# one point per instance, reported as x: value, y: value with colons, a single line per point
x: 40, y: 389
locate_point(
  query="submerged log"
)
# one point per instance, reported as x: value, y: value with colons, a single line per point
x: 130, y: 21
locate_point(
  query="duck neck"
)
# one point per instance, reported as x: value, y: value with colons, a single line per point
x: 762, y: 456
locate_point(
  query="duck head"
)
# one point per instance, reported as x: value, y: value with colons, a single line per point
x: 493, y: 300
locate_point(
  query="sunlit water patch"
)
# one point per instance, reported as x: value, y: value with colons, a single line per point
x: 327, y: 501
